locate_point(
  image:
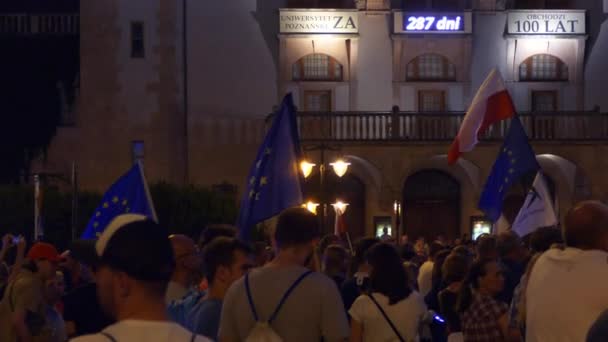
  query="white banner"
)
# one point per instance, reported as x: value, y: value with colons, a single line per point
x: 554, y: 22
x: 537, y: 210
x: 318, y: 21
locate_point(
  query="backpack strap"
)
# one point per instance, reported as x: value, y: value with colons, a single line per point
x: 250, y: 299
x: 287, y: 294
x: 110, y: 337
x: 388, y: 320
x: 281, y: 302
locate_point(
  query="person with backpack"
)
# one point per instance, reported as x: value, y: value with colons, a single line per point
x: 284, y: 300
x: 132, y: 282
x: 391, y: 311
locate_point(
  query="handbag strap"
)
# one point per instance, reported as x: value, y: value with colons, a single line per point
x: 388, y: 320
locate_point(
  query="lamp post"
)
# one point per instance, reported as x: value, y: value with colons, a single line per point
x: 397, y: 211
x: 340, y: 167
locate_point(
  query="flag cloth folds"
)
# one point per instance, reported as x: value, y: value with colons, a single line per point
x: 274, y: 181
x: 491, y: 104
x: 129, y: 194
x: 537, y: 210
x: 515, y: 159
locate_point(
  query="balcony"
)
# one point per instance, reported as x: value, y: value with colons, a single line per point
x: 416, y: 127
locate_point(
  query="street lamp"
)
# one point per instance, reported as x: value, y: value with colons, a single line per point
x: 397, y: 211
x: 340, y: 167
x: 306, y: 168
x: 340, y: 206
x: 311, y: 206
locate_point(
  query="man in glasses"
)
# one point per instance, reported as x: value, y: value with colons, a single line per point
x: 187, y: 272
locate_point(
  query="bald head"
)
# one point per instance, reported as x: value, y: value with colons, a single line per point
x: 182, y: 245
x: 586, y: 226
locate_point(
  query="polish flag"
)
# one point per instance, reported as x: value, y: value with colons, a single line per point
x: 491, y: 104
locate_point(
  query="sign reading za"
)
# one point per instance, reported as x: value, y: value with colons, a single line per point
x: 546, y: 22
x: 303, y: 21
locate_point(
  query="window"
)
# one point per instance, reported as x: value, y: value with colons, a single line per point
x: 543, y: 67
x: 317, y: 67
x: 544, y: 101
x: 137, y: 40
x: 431, y: 100
x: 317, y: 100
x: 431, y: 67
x: 137, y: 150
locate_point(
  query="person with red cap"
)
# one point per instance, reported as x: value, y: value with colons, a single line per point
x: 23, y: 304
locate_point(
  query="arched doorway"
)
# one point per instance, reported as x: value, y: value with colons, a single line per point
x: 431, y: 205
x: 349, y: 189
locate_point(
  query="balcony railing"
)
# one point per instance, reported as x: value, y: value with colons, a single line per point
x: 438, y: 127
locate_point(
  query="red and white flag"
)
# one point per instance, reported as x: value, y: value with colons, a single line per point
x: 491, y: 104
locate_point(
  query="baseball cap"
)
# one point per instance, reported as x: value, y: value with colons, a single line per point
x: 133, y: 244
x: 43, y: 250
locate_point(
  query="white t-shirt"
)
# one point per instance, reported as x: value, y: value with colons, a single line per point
x: 405, y: 315
x: 425, y: 278
x: 567, y: 291
x: 148, y: 331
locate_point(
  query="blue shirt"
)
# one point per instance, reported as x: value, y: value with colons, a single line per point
x: 204, y: 318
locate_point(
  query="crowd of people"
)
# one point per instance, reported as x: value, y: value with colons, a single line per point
x: 138, y: 283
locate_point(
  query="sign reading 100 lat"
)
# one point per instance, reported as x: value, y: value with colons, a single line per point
x: 546, y: 22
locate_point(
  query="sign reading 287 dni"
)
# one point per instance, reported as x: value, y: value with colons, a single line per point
x: 432, y: 23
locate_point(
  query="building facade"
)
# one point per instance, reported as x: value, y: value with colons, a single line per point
x: 186, y: 86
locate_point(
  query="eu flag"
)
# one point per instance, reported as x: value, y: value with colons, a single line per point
x: 128, y: 195
x: 274, y: 179
x: 515, y: 159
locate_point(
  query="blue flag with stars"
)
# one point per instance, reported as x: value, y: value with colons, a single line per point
x: 515, y: 159
x: 128, y: 195
x: 274, y: 181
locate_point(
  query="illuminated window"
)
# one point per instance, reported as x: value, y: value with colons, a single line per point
x: 543, y: 67
x: 431, y: 67
x: 317, y: 100
x: 317, y: 67
x: 544, y: 101
x: 431, y: 100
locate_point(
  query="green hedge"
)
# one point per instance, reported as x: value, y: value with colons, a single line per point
x: 185, y: 210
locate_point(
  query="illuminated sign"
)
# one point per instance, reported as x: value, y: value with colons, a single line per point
x: 314, y: 21
x: 552, y: 22
x: 432, y: 23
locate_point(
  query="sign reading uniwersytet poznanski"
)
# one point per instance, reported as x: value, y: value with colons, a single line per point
x: 548, y: 22
x: 318, y: 21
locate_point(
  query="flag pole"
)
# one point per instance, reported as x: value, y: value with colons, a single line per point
x: 36, y: 207
x: 350, y: 244
x: 74, y: 200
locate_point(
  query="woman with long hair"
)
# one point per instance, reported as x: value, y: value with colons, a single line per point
x: 483, y: 318
x: 392, y: 311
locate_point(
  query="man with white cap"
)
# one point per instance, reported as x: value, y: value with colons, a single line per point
x: 133, y: 261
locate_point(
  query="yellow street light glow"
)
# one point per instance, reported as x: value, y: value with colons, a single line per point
x: 340, y: 167
x: 311, y: 206
x: 306, y: 168
x: 340, y: 206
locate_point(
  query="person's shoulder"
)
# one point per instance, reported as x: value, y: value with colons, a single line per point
x: 91, y: 338
x: 186, y: 335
